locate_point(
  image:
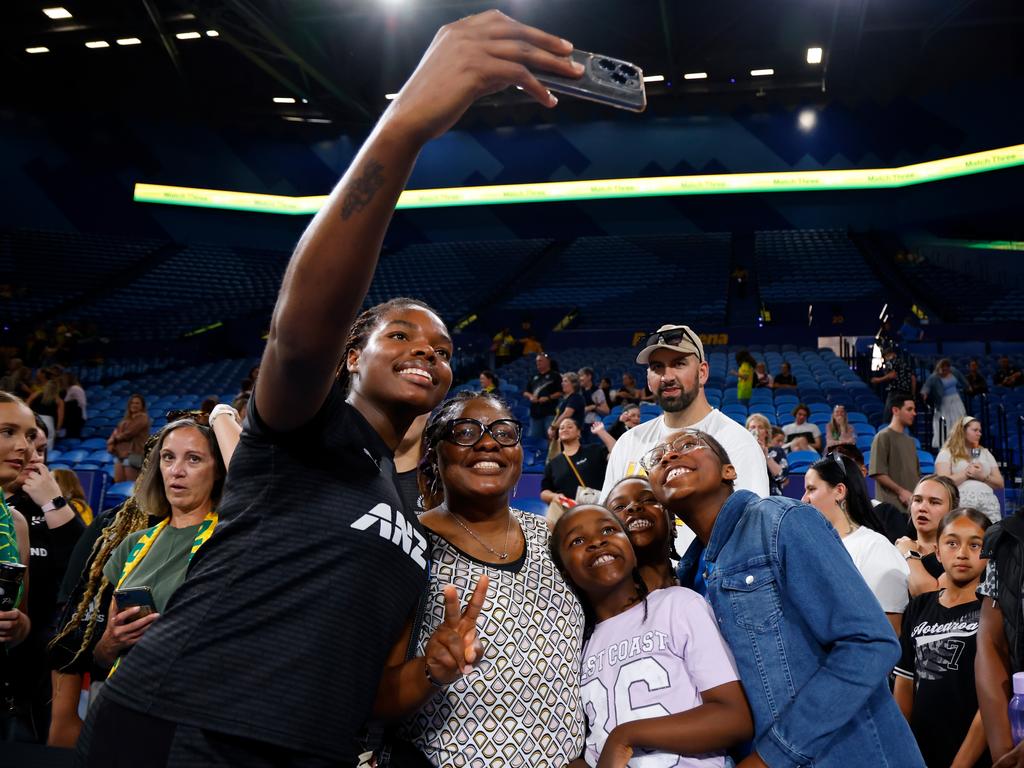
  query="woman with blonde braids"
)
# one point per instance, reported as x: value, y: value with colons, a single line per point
x: 178, y: 488
x: 70, y: 653
x: 182, y: 485
x: 972, y: 467
x: 85, y: 595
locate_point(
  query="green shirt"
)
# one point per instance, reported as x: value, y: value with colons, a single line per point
x: 162, y: 569
x: 745, y: 385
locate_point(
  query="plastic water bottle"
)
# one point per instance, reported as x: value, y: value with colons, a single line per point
x: 1017, y: 709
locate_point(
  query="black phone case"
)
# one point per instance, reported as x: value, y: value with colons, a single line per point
x: 134, y: 597
x: 605, y: 80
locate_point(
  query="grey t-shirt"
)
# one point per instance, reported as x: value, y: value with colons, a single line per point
x: 894, y: 454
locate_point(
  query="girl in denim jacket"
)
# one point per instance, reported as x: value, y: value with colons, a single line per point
x: 811, y: 643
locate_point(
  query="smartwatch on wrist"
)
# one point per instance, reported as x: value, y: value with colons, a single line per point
x: 912, y: 554
x: 56, y: 503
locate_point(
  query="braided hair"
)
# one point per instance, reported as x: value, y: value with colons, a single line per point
x: 130, y: 517
x: 364, y: 325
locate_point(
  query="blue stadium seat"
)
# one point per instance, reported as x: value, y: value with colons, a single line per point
x: 800, y: 461
x: 927, y: 462
x: 75, y: 456
x: 118, y: 492
x: 93, y: 443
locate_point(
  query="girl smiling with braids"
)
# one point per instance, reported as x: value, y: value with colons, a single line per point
x: 657, y: 677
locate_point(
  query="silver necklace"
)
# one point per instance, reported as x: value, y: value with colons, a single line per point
x: 467, y: 529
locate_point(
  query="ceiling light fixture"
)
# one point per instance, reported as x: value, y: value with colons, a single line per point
x: 807, y: 119
x: 293, y: 119
x: 814, y: 55
x: 188, y: 35
x: 128, y: 41
x: 284, y: 100
x: 695, y: 76
x: 390, y: 96
x: 97, y: 44
x: 57, y: 13
x: 212, y: 33
x: 654, y: 78
x: 38, y: 49
x: 761, y: 72
x: 321, y: 120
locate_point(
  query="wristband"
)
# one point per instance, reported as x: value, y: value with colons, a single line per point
x: 430, y: 678
x: 222, y: 408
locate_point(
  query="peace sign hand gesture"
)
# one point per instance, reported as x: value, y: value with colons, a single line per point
x: 454, y: 648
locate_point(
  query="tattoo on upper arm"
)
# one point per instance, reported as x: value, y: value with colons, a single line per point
x: 360, y: 191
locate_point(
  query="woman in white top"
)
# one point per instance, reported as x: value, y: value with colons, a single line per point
x: 834, y: 486
x: 972, y: 468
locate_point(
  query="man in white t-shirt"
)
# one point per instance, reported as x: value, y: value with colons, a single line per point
x: 676, y: 374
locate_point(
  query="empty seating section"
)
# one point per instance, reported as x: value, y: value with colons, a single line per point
x: 195, y: 287
x: 962, y: 297
x: 608, y: 280
x: 817, y: 264
x: 454, y: 278
x: 52, y: 268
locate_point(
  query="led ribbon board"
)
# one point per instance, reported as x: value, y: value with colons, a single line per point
x: 603, y: 189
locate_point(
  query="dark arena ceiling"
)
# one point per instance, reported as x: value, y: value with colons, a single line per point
x: 227, y: 61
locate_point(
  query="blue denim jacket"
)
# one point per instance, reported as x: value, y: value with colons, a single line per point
x: 811, y: 642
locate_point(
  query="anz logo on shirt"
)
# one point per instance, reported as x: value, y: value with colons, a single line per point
x: 393, y: 526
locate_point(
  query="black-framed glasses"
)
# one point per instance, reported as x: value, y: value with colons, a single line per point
x: 467, y: 432
x: 685, y: 443
x: 672, y: 338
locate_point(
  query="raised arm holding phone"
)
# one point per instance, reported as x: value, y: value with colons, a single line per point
x: 264, y: 652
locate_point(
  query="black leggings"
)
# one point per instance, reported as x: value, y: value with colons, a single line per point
x: 115, y: 736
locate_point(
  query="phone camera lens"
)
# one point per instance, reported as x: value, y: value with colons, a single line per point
x: 629, y: 72
x: 606, y: 64
x: 620, y: 79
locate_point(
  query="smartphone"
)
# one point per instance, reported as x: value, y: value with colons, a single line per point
x: 605, y: 80
x: 11, y: 577
x: 132, y: 597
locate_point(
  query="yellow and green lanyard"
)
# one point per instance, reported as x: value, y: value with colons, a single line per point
x: 145, y: 543
x: 9, y: 552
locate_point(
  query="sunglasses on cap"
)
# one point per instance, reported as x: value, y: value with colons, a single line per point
x: 672, y: 337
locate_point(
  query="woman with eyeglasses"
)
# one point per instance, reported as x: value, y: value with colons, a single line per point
x: 473, y: 692
x: 835, y: 487
x: 271, y: 651
x: 811, y: 644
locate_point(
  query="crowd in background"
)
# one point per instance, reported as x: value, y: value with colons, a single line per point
x: 288, y: 597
